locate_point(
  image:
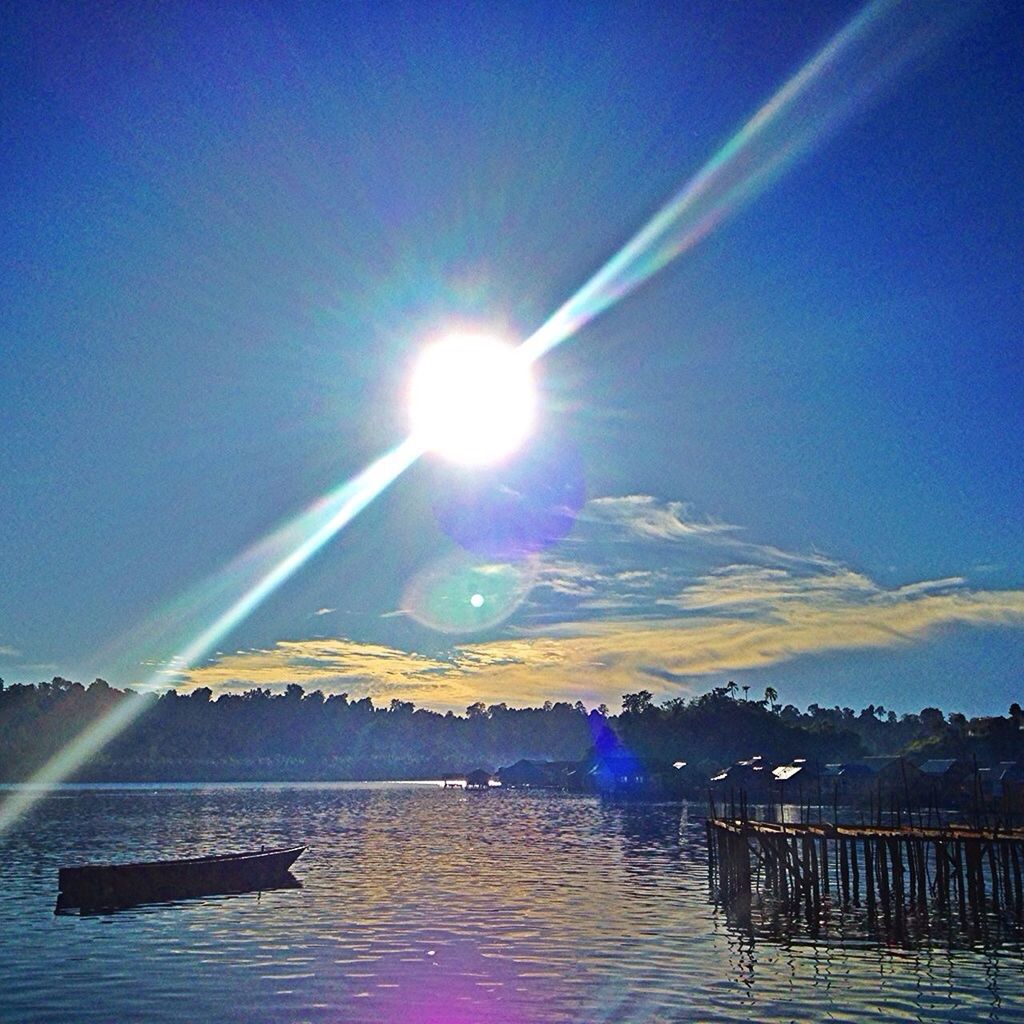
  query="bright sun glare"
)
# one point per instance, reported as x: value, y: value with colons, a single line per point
x: 472, y: 399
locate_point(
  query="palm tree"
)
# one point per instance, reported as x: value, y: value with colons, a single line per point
x: 770, y: 696
x: 731, y: 688
x: 746, y: 691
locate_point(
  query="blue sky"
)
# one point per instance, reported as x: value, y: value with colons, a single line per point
x: 229, y: 230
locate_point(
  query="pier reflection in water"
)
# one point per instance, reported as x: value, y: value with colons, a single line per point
x: 426, y: 906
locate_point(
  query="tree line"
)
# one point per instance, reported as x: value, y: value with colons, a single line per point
x: 298, y: 735
x: 721, y: 726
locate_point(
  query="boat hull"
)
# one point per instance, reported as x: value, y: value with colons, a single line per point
x: 114, y: 885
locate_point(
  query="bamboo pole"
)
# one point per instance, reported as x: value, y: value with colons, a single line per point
x: 869, y: 879
x: 844, y: 871
x: 856, y: 873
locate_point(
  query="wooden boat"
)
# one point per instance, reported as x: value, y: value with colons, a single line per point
x: 113, y: 885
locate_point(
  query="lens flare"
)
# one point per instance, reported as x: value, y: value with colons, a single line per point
x: 270, y: 564
x: 516, y: 509
x: 839, y: 80
x: 459, y: 417
x: 460, y: 594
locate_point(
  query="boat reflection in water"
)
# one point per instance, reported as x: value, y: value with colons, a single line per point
x: 95, y: 887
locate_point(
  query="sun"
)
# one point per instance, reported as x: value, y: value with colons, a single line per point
x: 472, y: 399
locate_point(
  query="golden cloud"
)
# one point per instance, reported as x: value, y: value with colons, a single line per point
x: 640, y: 591
x: 335, y: 664
x: 599, y: 660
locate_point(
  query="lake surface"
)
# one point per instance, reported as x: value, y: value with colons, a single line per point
x: 428, y: 906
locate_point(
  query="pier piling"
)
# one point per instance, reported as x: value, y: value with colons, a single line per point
x: 909, y: 872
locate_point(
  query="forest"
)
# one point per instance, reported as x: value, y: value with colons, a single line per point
x: 257, y: 735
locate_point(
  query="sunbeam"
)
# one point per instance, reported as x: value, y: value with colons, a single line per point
x: 848, y: 71
x: 320, y: 524
x: 276, y: 558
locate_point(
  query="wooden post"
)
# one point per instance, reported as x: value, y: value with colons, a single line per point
x: 958, y: 866
x: 882, y: 867
x: 815, y: 904
x: 1004, y: 856
x: 922, y: 850
x: 896, y: 856
x: 869, y: 881
x: 856, y: 873
x: 744, y: 867
x: 844, y: 870
x: 911, y: 868
x: 941, y: 874
x: 806, y: 853
x: 710, y: 832
x: 824, y: 865
x: 993, y: 874
x: 1018, y: 883
x: 785, y: 871
x: 976, y: 884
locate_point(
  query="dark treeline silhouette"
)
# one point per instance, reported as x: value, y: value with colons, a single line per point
x: 299, y: 735
x: 718, y: 727
x: 256, y: 735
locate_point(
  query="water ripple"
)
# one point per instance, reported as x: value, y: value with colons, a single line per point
x: 426, y: 906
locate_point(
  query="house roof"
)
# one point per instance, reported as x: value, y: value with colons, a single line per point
x: 889, y: 763
x: 938, y: 766
x: 851, y: 769
x: 879, y: 761
x: 741, y: 768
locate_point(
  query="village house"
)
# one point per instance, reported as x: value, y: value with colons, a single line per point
x: 621, y: 773
x: 792, y: 782
x: 847, y: 782
x: 478, y: 779
x: 527, y: 774
x: 750, y: 777
x: 950, y: 781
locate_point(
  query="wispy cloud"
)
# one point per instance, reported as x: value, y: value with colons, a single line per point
x: 646, y: 516
x: 642, y: 590
x: 7, y: 651
x: 324, y: 611
x: 336, y: 664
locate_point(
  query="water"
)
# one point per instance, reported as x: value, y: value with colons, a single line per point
x: 428, y: 906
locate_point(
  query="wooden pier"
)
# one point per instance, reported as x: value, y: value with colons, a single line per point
x: 969, y: 878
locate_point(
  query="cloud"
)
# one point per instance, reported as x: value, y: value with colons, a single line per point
x: 760, y: 588
x: 324, y: 611
x: 334, y: 663
x: 9, y: 652
x: 641, y: 591
x: 646, y: 516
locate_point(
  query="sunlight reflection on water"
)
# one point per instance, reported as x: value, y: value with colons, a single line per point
x: 430, y: 906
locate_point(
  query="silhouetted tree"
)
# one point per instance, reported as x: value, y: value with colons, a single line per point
x: 637, y: 703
